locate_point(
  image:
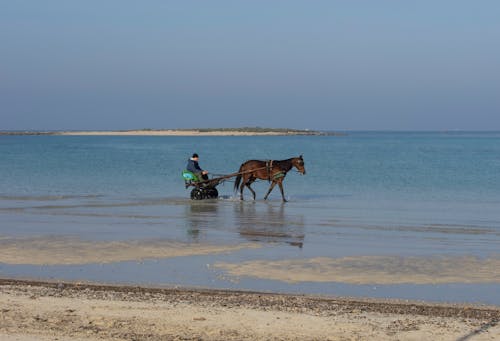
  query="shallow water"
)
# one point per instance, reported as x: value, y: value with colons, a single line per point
x: 417, y: 209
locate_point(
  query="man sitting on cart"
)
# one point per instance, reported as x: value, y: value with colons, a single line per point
x: 195, y: 168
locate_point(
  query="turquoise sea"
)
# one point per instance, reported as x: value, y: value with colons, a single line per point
x: 408, y: 215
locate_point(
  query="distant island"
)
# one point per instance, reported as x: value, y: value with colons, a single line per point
x: 244, y: 131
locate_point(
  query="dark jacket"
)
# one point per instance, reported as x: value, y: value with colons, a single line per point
x: 193, y: 166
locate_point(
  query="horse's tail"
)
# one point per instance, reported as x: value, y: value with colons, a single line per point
x: 238, y: 179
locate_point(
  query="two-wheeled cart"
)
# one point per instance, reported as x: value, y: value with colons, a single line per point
x: 204, y: 189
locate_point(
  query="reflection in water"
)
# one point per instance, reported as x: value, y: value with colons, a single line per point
x: 252, y: 221
x: 200, y: 216
x: 269, y: 225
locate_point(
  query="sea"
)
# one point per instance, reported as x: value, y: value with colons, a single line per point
x: 403, y: 215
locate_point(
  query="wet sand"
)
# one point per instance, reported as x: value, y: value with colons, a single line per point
x: 385, y: 270
x: 360, y: 270
x: 32, y: 310
x: 72, y: 250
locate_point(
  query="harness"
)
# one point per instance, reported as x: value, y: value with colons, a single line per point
x: 269, y: 168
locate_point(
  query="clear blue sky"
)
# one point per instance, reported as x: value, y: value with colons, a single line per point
x: 331, y: 65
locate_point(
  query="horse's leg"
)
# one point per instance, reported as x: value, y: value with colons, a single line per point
x: 282, y: 192
x: 270, y: 189
x: 242, y: 187
x: 248, y: 183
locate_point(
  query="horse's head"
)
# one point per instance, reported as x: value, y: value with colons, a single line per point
x: 298, y: 162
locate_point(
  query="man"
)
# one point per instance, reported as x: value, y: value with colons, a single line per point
x: 195, y: 168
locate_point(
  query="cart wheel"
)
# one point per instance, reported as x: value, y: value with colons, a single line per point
x: 212, y: 193
x: 197, y: 194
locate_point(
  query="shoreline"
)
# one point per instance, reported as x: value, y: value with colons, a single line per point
x: 379, y: 305
x: 178, y: 132
x: 44, y: 310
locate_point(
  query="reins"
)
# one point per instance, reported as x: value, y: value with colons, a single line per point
x: 224, y: 177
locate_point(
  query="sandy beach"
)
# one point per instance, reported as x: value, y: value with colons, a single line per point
x: 32, y: 310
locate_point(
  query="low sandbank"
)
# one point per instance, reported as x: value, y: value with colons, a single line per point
x: 35, y: 310
x: 177, y: 132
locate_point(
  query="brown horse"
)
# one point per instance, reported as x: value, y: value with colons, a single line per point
x: 274, y: 171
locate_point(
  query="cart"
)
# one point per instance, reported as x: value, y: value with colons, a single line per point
x: 204, y: 189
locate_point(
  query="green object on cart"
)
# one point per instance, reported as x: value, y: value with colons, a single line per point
x: 189, y: 176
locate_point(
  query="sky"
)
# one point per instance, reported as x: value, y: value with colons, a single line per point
x: 327, y: 65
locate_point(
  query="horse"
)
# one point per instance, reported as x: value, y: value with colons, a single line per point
x: 271, y: 170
